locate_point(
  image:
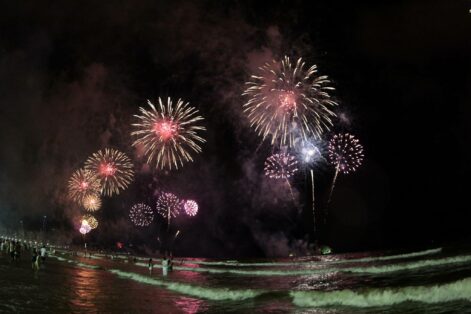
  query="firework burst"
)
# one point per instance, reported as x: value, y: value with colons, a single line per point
x: 83, y: 183
x: 141, y: 215
x: 190, y: 207
x: 90, y: 220
x: 169, y: 133
x: 289, y: 101
x: 92, y: 202
x: 84, y: 228
x: 168, y: 205
x: 281, y: 166
x: 113, y: 168
x: 345, y: 152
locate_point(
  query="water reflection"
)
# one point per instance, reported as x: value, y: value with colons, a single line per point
x: 86, y: 287
x: 191, y: 305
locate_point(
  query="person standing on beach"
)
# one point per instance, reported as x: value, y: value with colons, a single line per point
x: 165, y: 266
x: 12, y: 251
x: 151, y: 266
x: 43, y: 254
x: 17, y: 251
x: 35, y: 261
x: 170, y: 263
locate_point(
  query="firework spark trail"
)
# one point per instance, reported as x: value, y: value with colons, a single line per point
x: 332, y: 186
x: 83, y: 183
x: 346, y: 154
x: 168, y: 206
x: 168, y: 133
x: 141, y: 215
x: 114, y: 169
x: 290, y: 191
x: 287, y: 101
x: 92, y: 202
x: 313, y: 201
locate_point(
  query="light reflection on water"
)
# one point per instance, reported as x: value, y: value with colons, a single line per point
x: 86, y: 288
x: 69, y: 287
x: 190, y: 305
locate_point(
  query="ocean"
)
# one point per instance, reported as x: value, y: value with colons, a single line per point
x: 428, y: 281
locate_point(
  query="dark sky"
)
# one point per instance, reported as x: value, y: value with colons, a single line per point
x: 72, y: 74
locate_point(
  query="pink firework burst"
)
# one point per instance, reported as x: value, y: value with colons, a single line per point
x: 166, y: 129
x: 169, y: 133
x: 345, y: 152
x: 85, y: 227
x: 168, y: 205
x: 190, y: 207
x: 114, y: 169
x: 281, y: 166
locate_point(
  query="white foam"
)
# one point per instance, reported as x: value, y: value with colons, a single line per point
x: 393, y: 257
x: 196, y: 291
x: 411, y: 265
x: 242, y: 272
x: 457, y: 290
x: 76, y: 262
x: 308, y: 272
x: 309, y: 263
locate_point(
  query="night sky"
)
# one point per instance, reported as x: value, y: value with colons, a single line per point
x: 72, y: 74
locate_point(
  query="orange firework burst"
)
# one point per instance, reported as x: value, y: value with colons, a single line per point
x: 113, y: 168
x: 90, y: 220
x: 92, y: 202
x: 83, y: 183
x: 169, y: 133
x: 288, y: 101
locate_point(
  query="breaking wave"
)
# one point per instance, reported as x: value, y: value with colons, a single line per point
x: 308, y: 272
x: 195, y: 291
x: 411, y: 265
x: 309, y: 263
x: 76, y: 262
x: 457, y: 290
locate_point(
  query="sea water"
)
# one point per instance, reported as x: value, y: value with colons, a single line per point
x: 428, y: 281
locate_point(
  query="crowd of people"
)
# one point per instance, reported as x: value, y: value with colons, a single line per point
x: 14, y: 249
